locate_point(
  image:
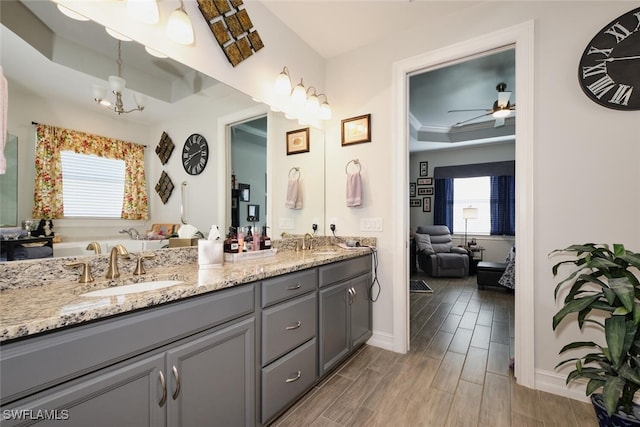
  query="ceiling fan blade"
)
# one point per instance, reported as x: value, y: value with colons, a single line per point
x: 474, y: 109
x: 473, y: 118
x: 499, y: 122
x: 503, y: 99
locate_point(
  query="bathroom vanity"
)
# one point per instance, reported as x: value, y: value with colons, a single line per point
x: 237, y: 347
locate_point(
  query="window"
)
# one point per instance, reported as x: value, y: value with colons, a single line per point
x: 475, y: 192
x: 92, y: 186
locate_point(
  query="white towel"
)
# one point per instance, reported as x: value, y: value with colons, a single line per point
x: 354, y: 189
x: 294, y: 194
x: 4, y: 104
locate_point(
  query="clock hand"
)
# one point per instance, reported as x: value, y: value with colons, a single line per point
x: 621, y: 58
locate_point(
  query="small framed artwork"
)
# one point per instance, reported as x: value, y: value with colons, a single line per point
x: 415, y: 203
x: 425, y: 191
x: 425, y: 181
x: 412, y: 189
x: 424, y: 168
x: 426, y: 204
x: 298, y: 141
x: 253, y: 213
x: 356, y: 130
x: 244, y: 192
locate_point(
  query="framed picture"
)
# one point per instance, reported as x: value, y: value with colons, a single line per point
x: 426, y: 204
x: 424, y: 168
x: 425, y: 191
x: 298, y: 141
x: 244, y: 192
x: 412, y: 189
x: 425, y: 181
x: 356, y: 130
x: 253, y: 213
x: 415, y: 203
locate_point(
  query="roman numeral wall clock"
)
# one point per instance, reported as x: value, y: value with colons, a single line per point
x: 609, y: 71
x: 195, y: 154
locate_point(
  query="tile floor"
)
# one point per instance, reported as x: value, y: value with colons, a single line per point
x: 457, y: 372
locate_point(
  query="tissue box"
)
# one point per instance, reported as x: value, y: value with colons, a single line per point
x: 177, y: 242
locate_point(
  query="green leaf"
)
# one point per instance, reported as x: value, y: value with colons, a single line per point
x: 631, y: 258
x: 578, y: 344
x: 573, y: 307
x: 615, y: 332
x: 630, y: 374
x: 593, y: 385
x: 618, y: 250
x: 624, y: 291
x: 611, y: 393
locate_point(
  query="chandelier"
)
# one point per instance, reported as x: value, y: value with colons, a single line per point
x: 117, y: 84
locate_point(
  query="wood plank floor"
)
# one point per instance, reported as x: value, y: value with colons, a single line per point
x: 457, y: 372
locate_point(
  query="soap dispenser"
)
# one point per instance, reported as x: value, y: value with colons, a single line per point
x: 265, y: 241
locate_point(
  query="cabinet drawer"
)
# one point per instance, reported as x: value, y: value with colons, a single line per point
x: 287, y: 378
x: 344, y: 270
x: 288, y: 286
x: 287, y: 325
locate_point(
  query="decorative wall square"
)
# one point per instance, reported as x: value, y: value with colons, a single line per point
x: 164, y: 187
x: 232, y: 28
x: 165, y: 148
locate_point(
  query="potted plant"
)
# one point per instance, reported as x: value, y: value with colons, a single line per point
x: 604, y: 291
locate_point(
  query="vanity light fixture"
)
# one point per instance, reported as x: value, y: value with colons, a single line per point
x: 71, y: 14
x: 117, y: 84
x: 179, y: 27
x: 303, y: 104
x: 145, y: 11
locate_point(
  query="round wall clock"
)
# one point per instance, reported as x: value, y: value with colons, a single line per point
x: 609, y: 71
x: 195, y: 154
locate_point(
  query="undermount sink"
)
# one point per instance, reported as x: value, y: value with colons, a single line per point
x: 133, y: 288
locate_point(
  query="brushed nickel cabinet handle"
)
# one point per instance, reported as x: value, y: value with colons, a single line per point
x: 296, y: 378
x: 163, y: 384
x: 355, y: 295
x: 296, y: 326
x: 294, y: 287
x: 177, y: 378
x: 350, y: 292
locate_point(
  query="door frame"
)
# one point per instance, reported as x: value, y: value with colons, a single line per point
x: 522, y: 37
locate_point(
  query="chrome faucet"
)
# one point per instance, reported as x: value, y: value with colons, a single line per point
x: 132, y: 232
x: 95, y: 247
x: 304, y: 241
x: 117, y: 250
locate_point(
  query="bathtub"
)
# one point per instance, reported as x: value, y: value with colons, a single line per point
x: 80, y: 247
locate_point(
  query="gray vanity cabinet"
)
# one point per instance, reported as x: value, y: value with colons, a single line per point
x: 345, y: 310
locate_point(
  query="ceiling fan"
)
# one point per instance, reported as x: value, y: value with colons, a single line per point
x: 501, y: 108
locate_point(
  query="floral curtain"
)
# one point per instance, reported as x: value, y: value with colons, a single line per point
x: 52, y: 140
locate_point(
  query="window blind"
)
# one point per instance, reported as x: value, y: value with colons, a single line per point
x: 92, y: 186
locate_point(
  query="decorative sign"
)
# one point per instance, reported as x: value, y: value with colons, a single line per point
x: 232, y: 28
x: 165, y: 148
x: 164, y: 187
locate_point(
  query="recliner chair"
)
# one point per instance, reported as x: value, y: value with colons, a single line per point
x: 436, y: 254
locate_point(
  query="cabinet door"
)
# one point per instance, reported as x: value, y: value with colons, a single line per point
x: 121, y: 396
x: 334, y: 326
x: 211, y: 380
x: 361, y: 316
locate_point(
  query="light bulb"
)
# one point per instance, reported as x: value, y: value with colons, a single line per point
x: 179, y: 28
x: 283, y: 84
x: 299, y: 95
x: 117, y: 83
x: 313, y: 105
x: 99, y: 92
x: 325, y: 111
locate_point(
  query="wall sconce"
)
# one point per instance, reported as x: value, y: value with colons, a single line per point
x: 179, y: 27
x: 299, y: 102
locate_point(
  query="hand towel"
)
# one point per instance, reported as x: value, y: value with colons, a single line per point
x: 294, y: 194
x: 354, y: 189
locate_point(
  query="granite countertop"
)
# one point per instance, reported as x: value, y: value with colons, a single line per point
x: 31, y: 310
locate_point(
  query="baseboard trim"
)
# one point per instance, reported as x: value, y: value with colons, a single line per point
x: 555, y: 383
x: 381, y: 340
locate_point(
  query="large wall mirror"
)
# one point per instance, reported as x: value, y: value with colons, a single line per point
x: 52, y: 84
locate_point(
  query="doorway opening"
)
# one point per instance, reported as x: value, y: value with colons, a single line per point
x: 521, y: 36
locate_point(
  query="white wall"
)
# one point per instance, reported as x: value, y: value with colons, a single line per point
x: 586, y: 156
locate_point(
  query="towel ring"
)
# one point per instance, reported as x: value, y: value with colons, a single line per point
x: 355, y: 162
x: 294, y: 170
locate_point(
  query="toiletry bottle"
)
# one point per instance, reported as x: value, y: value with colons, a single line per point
x: 248, y: 239
x: 265, y: 242
x: 231, y: 243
